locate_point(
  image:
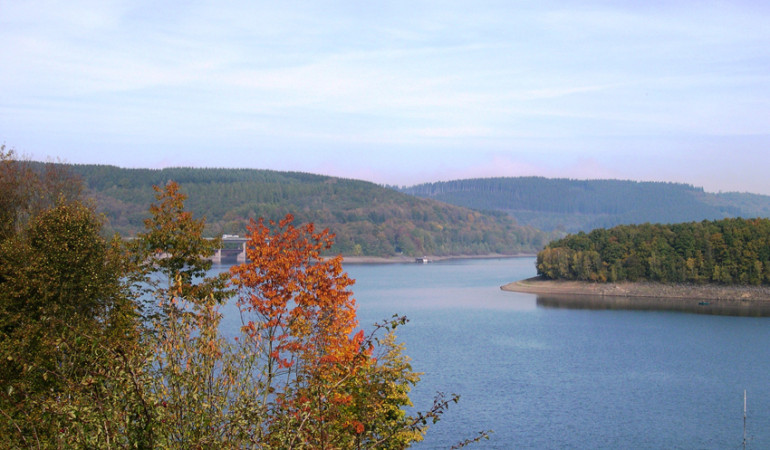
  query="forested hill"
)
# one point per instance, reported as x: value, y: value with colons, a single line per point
x: 727, y: 251
x: 582, y: 205
x: 367, y: 219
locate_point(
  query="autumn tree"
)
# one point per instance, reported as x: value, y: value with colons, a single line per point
x: 301, y: 375
x: 302, y: 318
x: 325, y: 384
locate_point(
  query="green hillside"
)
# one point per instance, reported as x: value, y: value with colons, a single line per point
x: 368, y: 219
x: 582, y: 205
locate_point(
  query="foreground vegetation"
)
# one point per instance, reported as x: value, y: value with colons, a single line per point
x: 728, y: 251
x: 367, y: 219
x: 112, y: 345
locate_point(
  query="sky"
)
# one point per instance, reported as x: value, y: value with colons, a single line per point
x: 397, y: 92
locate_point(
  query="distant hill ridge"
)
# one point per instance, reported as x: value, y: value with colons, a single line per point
x: 368, y: 219
x: 582, y: 205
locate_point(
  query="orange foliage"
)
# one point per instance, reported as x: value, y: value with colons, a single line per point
x: 306, y: 311
x: 305, y: 319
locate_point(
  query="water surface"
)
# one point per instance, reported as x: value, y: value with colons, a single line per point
x: 552, y: 377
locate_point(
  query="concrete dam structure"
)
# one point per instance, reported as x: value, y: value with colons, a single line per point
x: 233, y: 250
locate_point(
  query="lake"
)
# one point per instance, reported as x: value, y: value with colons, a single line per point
x: 551, y: 377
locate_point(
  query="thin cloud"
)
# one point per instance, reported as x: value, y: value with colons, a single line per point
x: 476, y: 89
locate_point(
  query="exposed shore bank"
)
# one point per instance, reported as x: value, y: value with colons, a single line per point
x: 706, y: 292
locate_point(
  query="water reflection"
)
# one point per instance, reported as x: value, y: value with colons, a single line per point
x: 695, y: 306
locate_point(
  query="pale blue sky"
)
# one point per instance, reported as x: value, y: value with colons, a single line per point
x: 396, y: 92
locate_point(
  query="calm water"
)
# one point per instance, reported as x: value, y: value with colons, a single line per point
x: 545, y: 377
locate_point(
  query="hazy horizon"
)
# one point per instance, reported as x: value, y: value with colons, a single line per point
x: 400, y: 93
x: 48, y: 160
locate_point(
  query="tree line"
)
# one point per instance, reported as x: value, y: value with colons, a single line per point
x: 107, y: 343
x: 727, y: 251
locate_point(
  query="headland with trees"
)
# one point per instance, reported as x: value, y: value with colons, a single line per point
x: 726, y: 259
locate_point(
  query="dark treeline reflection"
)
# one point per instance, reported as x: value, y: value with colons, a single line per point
x: 712, y: 307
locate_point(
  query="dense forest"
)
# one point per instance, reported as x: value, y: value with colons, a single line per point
x: 727, y: 251
x: 367, y: 219
x: 582, y: 205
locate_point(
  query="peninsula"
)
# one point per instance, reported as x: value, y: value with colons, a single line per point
x: 725, y: 262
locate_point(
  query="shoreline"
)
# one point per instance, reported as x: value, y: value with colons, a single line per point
x: 412, y: 259
x: 651, y: 290
x: 401, y: 259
